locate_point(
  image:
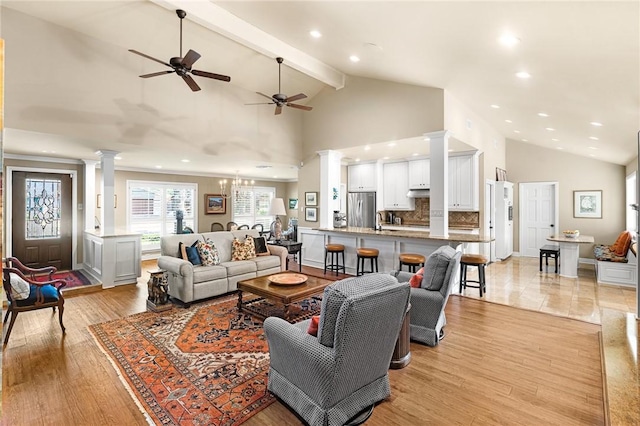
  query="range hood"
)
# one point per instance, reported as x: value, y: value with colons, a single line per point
x: 418, y: 193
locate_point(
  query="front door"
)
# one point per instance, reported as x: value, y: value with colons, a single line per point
x: 537, y: 216
x: 41, y: 219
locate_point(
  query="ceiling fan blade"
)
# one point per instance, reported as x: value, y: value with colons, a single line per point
x: 155, y: 74
x: 263, y: 103
x: 149, y: 57
x: 278, y: 109
x: 190, y: 58
x: 296, y: 97
x: 262, y: 94
x: 191, y: 82
x: 211, y: 75
x: 304, y: 107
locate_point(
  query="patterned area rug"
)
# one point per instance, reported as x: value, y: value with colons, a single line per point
x: 206, y: 365
x: 72, y: 278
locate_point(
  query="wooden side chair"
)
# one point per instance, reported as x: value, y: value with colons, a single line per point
x: 217, y: 226
x: 243, y: 227
x: 25, y: 293
x: 231, y: 226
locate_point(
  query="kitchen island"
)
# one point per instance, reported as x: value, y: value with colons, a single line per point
x: 390, y: 243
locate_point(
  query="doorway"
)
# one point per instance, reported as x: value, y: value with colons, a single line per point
x: 41, y: 217
x: 538, y: 215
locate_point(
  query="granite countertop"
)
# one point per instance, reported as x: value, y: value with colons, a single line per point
x: 424, y: 224
x: 420, y: 235
x: 578, y: 239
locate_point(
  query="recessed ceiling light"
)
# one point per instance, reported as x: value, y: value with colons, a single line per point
x: 354, y: 58
x: 275, y: 176
x: 315, y: 33
x: 427, y: 139
x: 117, y: 158
x: 543, y: 114
x: 559, y: 147
x: 592, y: 147
x: 391, y: 144
x: 451, y: 150
x: 508, y: 121
x: 494, y: 106
x: 508, y: 40
x: 595, y: 123
x: 593, y: 138
x: 367, y: 148
x: 525, y: 140
x: 184, y: 160
x: 415, y: 154
x: 357, y: 159
x: 158, y: 167
x: 523, y: 74
x: 551, y: 129
x: 516, y: 131
x: 555, y: 140
x: 592, y: 155
x: 385, y: 158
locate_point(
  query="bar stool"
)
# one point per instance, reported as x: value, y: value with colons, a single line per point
x: 473, y: 260
x: 412, y: 260
x: 547, y: 251
x: 366, y: 253
x: 334, y: 250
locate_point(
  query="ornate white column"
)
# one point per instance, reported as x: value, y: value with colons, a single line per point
x: 89, y: 194
x: 329, y: 197
x: 439, y: 192
x: 108, y: 191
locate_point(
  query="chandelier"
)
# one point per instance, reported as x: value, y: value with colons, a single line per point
x: 237, y: 185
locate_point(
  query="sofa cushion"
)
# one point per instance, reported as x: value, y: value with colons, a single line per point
x: 603, y: 253
x: 266, y: 262
x: 222, y: 240
x: 19, y: 288
x: 208, y: 273
x: 435, y: 269
x: 169, y: 243
x: 239, y: 267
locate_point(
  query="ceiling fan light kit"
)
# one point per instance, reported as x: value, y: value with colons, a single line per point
x: 280, y: 99
x: 182, y: 65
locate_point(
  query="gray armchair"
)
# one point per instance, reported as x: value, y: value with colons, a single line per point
x: 329, y: 379
x: 427, y: 316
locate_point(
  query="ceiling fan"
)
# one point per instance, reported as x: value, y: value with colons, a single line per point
x: 182, y: 65
x: 280, y: 99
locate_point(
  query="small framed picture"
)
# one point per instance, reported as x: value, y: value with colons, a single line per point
x: 501, y: 174
x: 311, y: 214
x: 587, y: 204
x: 215, y: 204
x: 311, y: 198
x: 293, y: 203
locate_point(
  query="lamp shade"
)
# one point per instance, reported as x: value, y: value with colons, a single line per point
x: 277, y: 207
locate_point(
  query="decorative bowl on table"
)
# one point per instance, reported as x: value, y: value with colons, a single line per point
x: 571, y: 234
x: 287, y: 278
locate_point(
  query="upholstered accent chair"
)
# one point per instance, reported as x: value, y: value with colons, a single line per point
x: 331, y: 378
x: 428, y: 301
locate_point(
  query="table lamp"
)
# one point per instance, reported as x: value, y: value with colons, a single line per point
x: 277, y: 209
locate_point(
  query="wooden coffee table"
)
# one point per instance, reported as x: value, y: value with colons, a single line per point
x: 280, y: 294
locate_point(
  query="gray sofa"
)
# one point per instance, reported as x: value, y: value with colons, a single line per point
x: 188, y: 282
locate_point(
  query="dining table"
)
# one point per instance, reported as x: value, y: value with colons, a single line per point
x: 570, y: 252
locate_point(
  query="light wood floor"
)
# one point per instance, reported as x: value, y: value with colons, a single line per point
x: 496, y: 365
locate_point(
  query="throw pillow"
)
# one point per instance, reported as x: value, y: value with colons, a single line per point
x: 208, y: 253
x: 242, y: 250
x: 416, y: 279
x: 182, y: 250
x: 435, y: 269
x: 313, y: 325
x: 261, y: 246
x: 192, y: 254
x: 20, y: 289
x: 621, y: 246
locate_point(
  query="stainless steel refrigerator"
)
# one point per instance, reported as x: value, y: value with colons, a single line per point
x: 361, y: 209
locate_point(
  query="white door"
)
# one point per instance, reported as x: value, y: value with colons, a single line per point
x: 538, y: 216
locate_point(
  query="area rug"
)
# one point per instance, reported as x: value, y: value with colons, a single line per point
x: 72, y: 278
x: 206, y: 365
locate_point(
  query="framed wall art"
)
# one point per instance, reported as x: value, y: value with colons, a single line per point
x: 587, y: 204
x: 293, y: 203
x: 311, y: 198
x: 311, y: 214
x: 215, y: 204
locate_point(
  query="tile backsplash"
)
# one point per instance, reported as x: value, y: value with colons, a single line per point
x: 420, y: 216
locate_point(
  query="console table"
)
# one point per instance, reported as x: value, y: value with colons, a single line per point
x: 294, y: 248
x: 570, y: 252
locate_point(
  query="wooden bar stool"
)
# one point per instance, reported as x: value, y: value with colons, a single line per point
x: 547, y: 251
x: 473, y: 260
x: 334, y: 250
x: 366, y: 253
x: 412, y: 260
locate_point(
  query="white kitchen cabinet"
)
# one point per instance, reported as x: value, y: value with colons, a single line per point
x: 395, y: 185
x: 463, y: 183
x: 362, y: 177
x: 420, y: 174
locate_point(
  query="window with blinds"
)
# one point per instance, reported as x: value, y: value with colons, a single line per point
x: 153, y: 206
x: 251, y: 206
